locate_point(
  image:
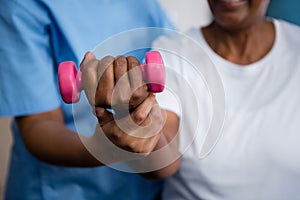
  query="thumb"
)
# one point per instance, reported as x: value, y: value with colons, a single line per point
x: 103, y: 116
x: 88, y: 56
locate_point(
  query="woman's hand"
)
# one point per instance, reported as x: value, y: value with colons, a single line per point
x: 117, y: 83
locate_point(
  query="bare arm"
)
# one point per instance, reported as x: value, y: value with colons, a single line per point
x: 169, y: 133
x: 46, y: 137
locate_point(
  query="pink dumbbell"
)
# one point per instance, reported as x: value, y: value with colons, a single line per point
x: 70, y: 85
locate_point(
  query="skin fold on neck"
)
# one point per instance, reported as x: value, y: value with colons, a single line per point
x: 241, y: 46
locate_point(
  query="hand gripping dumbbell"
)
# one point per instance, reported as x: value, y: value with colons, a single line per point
x: 70, y: 84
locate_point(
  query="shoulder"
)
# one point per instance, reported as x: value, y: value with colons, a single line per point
x: 34, y: 12
x: 287, y: 51
x: 289, y: 32
x: 29, y: 5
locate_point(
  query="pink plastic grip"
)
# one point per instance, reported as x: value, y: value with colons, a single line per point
x: 70, y: 85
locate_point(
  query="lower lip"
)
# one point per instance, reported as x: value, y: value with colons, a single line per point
x: 232, y: 4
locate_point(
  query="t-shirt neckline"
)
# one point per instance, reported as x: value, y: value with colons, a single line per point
x: 233, y: 66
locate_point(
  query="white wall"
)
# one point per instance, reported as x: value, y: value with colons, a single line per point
x: 5, y: 144
x: 184, y: 13
x: 187, y: 13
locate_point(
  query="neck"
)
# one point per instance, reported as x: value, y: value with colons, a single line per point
x: 241, y: 46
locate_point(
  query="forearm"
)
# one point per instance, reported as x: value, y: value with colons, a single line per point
x: 48, y: 139
x: 164, y: 160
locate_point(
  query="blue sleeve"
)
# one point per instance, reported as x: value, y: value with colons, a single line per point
x: 288, y: 10
x: 153, y: 16
x: 160, y: 16
x: 27, y: 78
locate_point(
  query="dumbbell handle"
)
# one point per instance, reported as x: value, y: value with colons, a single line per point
x: 70, y: 84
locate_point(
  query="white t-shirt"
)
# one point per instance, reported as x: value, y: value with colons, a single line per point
x: 257, y: 153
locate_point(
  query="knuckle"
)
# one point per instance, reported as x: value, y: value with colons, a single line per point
x: 120, y: 61
x: 107, y: 60
x: 103, y: 65
x: 133, y: 61
x: 139, y: 116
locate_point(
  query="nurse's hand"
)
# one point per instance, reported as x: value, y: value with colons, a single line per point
x: 113, y: 82
x: 117, y: 83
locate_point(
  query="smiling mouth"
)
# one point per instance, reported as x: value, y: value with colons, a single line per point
x: 231, y: 3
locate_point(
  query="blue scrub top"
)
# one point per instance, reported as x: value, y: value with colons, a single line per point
x: 288, y: 10
x: 35, y: 37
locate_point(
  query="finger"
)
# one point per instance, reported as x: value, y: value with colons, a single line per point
x: 105, y: 75
x: 88, y: 68
x: 103, y: 116
x: 121, y: 93
x: 137, y: 118
x: 152, y: 124
x: 88, y: 56
x: 135, y: 72
x: 120, y: 69
x: 136, y: 82
x: 140, y: 114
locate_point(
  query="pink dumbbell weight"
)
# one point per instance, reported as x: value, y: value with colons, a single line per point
x: 70, y: 85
